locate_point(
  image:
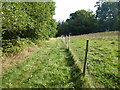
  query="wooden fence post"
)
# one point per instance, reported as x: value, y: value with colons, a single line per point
x: 86, y: 52
x: 69, y: 41
x: 66, y: 41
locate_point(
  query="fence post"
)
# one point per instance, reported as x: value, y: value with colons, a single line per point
x: 86, y: 52
x: 69, y: 42
x: 66, y: 41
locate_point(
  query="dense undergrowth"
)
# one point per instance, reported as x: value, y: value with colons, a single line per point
x: 26, y: 20
x: 15, y: 46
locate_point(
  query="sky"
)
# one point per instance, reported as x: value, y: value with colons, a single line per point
x: 65, y: 7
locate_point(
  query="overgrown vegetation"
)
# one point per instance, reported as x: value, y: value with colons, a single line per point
x: 28, y: 20
x: 25, y: 21
x: 102, y: 63
x: 12, y: 47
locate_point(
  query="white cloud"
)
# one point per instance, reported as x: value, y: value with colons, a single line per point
x: 65, y: 7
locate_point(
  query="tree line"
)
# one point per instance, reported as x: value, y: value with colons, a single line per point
x: 33, y: 20
x: 106, y: 18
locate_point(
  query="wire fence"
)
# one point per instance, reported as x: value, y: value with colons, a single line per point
x: 97, y: 67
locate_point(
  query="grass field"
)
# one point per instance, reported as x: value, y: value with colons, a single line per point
x: 49, y: 67
x: 102, y: 63
x: 53, y: 66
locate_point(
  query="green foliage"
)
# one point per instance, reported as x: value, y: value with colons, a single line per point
x: 12, y: 47
x: 83, y: 22
x: 80, y: 22
x: 28, y: 20
x: 119, y: 15
x: 107, y: 15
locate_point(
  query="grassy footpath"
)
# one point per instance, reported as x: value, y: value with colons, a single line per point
x: 102, y: 63
x: 49, y: 67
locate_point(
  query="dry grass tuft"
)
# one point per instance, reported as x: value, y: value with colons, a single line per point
x: 8, y: 62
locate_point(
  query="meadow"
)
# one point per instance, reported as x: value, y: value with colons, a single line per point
x: 102, y: 62
x: 53, y: 65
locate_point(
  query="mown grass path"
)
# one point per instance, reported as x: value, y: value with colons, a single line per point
x: 49, y: 67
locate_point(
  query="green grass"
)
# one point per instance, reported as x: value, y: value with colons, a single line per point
x: 49, y: 67
x: 53, y: 66
x: 102, y: 63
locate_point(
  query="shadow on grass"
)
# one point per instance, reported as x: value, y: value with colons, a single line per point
x: 75, y: 72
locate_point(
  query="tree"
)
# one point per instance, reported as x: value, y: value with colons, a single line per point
x: 107, y: 14
x: 28, y: 20
x: 80, y: 22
